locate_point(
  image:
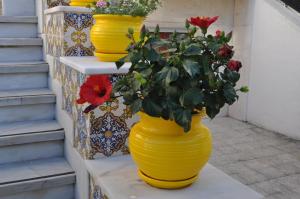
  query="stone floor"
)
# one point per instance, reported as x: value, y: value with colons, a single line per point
x: 267, y: 162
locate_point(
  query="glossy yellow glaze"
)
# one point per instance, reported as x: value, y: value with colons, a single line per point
x: 108, y: 35
x: 165, y: 155
x: 82, y: 3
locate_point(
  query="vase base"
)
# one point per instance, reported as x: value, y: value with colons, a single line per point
x: 163, y: 184
x: 109, y: 57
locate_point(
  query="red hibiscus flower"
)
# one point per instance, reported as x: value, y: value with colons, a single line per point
x: 234, y: 65
x: 226, y: 51
x: 96, y: 90
x: 203, y: 22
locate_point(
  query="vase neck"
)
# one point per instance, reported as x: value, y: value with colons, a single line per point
x: 166, y: 127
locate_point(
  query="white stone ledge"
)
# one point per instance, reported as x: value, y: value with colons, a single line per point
x: 91, y: 66
x: 67, y: 9
x: 118, y: 179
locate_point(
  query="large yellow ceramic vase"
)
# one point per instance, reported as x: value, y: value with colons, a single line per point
x: 82, y: 3
x: 108, y: 35
x: 165, y: 155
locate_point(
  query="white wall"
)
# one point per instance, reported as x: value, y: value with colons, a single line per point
x: 274, y: 98
x: 173, y: 13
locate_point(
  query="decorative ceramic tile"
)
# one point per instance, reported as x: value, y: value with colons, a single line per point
x: 54, y: 34
x: 53, y: 3
x: 77, y: 34
x: 95, y: 191
x: 68, y: 34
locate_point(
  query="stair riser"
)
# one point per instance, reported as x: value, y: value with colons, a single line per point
x: 23, y: 81
x: 64, y: 192
x: 32, y: 151
x: 20, y: 53
x: 27, y: 113
x: 15, y: 30
x: 18, y: 7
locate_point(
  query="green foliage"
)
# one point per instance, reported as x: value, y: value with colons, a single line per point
x: 173, y: 78
x: 127, y: 7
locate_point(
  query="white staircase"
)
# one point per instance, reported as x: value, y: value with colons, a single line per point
x: 32, y: 163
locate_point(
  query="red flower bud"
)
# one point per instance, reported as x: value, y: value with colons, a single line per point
x: 226, y: 51
x: 219, y: 33
x: 234, y: 65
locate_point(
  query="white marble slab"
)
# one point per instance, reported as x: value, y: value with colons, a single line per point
x: 67, y: 9
x: 118, y: 179
x: 91, y: 65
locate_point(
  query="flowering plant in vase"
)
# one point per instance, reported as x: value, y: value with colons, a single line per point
x: 172, y: 83
x: 112, y: 20
x: 192, y: 72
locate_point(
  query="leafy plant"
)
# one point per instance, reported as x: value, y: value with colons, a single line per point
x: 177, y: 77
x: 125, y: 7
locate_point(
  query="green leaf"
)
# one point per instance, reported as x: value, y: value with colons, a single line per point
x: 183, y: 117
x: 147, y: 72
x: 121, y: 62
x: 192, y: 49
x: 151, y: 54
x: 191, y: 67
x: 139, y: 78
x: 136, y: 106
x: 192, y: 97
x: 205, y: 65
x: 168, y: 74
x: 172, y: 75
x: 229, y: 94
x: 151, y: 108
x: 135, y: 57
x: 212, y: 112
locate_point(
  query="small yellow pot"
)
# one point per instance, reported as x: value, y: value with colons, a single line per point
x: 108, y: 35
x: 166, y: 156
x: 81, y: 3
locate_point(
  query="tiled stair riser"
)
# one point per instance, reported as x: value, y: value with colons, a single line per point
x: 67, y: 34
x: 104, y: 131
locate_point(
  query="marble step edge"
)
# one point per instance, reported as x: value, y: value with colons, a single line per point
x: 18, y: 19
x: 30, y: 67
x: 15, y: 42
x: 26, y: 97
x: 27, y: 138
x: 26, y: 127
x: 36, y: 175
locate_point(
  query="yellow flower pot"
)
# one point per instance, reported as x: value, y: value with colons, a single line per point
x: 108, y: 35
x: 82, y: 3
x: 165, y: 155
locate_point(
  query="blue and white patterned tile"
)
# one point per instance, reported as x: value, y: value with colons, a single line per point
x: 77, y: 34
x: 53, y: 3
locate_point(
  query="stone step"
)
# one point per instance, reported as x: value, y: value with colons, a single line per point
x: 60, y: 192
x: 18, y: 7
x: 38, y: 179
x: 8, y: 42
x: 22, y: 128
x: 24, y: 67
x: 23, y: 141
x: 21, y: 49
x: 27, y: 138
x: 19, y: 19
x: 26, y: 97
x: 23, y: 75
x: 15, y: 26
x: 26, y: 105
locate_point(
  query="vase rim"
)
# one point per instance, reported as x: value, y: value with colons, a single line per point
x: 128, y: 17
